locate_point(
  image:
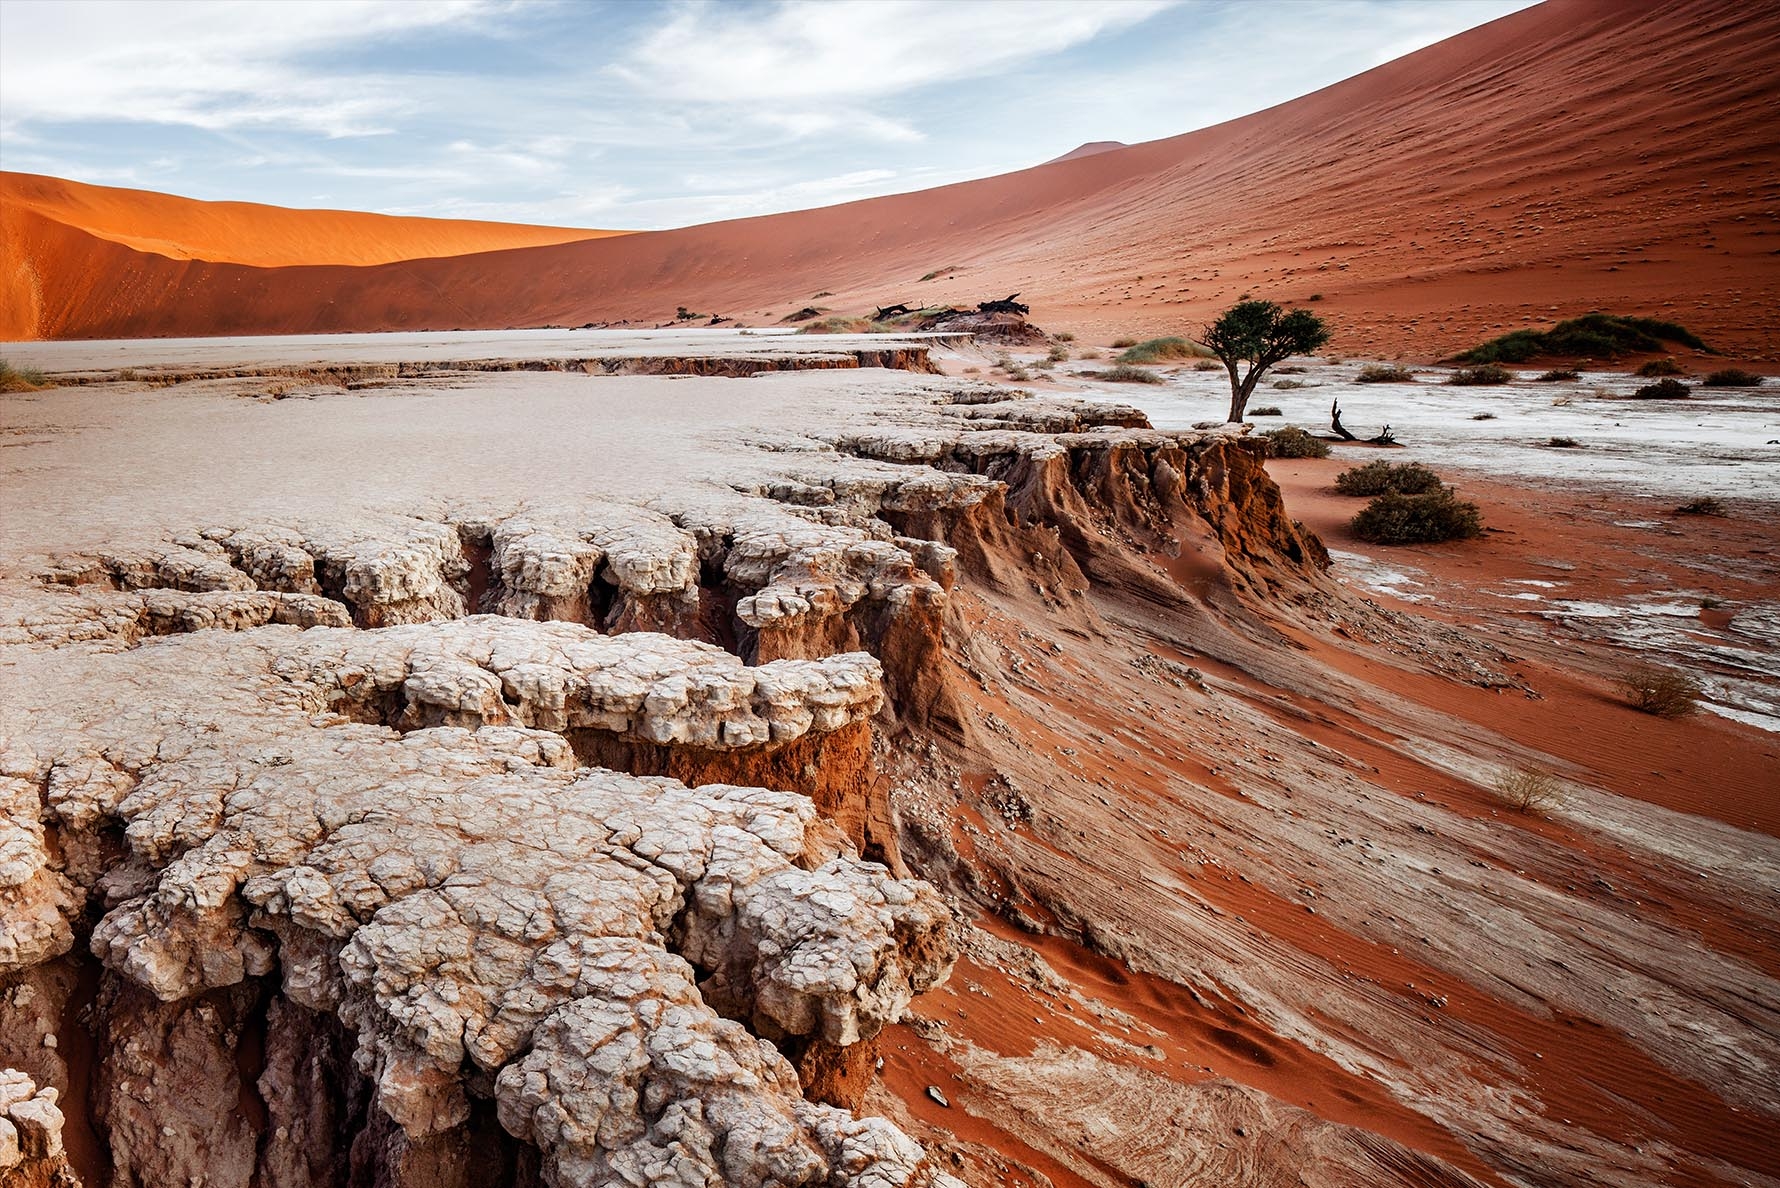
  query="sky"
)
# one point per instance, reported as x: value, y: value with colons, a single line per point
x: 639, y: 115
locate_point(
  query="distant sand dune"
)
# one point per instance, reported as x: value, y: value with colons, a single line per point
x: 1584, y: 154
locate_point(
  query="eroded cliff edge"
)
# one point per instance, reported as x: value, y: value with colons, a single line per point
x: 436, y: 847
x: 547, y: 800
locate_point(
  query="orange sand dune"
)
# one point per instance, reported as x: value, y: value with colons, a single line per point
x: 1584, y: 154
x: 264, y: 236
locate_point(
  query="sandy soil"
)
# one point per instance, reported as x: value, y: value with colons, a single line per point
x: 1544, y: 165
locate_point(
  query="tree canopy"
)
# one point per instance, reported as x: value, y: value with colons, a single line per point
x: 1260, y: 334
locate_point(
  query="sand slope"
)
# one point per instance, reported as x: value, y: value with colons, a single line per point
x: 1546, y: 164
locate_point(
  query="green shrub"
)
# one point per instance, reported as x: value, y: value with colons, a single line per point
x: 1289, y: 441
x: 1487, y: 373
x: 1208, y: 365
x: 1160, y: 350
x: 1266, y: 410
x: 1656, y: 367
x: 1384, y: 373
x: 20, y: 379
x: 1660, y: 691
x: 1733, y: 377
x: 1427, y: 518
x: 1705, y: 505
x: 1557, y: 375
x: 1125, y: 374
x: 1669, y: 389
x: 1592, y: 336
x: 1376, y: 478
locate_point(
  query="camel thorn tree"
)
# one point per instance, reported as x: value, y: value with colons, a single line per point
x: 1260, y: 334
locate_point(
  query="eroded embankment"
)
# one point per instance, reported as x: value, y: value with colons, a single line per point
x: 368, y: 824
x: 320, y: 800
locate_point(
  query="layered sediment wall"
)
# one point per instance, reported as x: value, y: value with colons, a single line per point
x: 525, y: 845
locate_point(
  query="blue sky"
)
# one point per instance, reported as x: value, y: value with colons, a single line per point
x: 642, y: 115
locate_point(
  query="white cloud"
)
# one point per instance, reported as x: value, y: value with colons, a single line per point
x: 211, y: 66
x: 839, y: 50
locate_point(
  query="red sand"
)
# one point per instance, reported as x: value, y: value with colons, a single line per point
x: 1585, y: 154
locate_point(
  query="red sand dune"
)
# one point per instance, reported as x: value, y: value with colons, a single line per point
x: 1584, y: 154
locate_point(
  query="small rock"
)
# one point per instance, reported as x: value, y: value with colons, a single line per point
x: 937, y: 1096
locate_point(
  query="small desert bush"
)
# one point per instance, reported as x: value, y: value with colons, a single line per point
x: 1266, y: 410
x: 1057, y: 353
x: 1557, y: 375
x: 939, y: 272
x: 1090, y: 355
x: 1526, y: 789
x: 1654, y: 689
x: 1705, y: 505
x: 1668, y: 389
x: 1314, y: 297
x: 1126, y: 374
x: 1384, y: 373
x: 1427, y: 518
x: 836, y: 325
x: 1290, y: 370
x: 1483, y: 416
x: 1592, y: 336
x: 1733, y: 377
x: 1487, y: 373
x: 20, y: 379
x: 1119, y: 344
x: 1657, y: 367
x: 1161, y: 350
x: 1064, y: 336
x: 1562, y: 443
x: 1290, y: 385
x: 1289, y: 441
x: 1208, y: 365
x: 1376, y: 478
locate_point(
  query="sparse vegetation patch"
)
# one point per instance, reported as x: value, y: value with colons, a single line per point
x: 1557, y: 375
x: 1652, y: 368
x: 1527, y: 789
x: 1733, y: 377
x: 1162, y: 350
x: 1384, y: 373
x: 20, y: 379
x: 1428, y: 518
x: 1563, y: 443
x: 1266, y: 410
x: 1705, y: 505
x: 1592, y: 336
x: 1124, y: 373
x: 1376, y: 478
x: 1665, y: 692
x: 1669, y: 389
x: 1289, y: 441
x: 1476, y: 377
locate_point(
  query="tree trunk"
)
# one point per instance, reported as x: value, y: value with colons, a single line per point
x: 1240, y: 392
